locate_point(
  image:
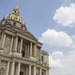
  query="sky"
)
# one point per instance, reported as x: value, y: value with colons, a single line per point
x: 53, y: 23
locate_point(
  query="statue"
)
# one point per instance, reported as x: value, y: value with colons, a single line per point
x: 2, y: 71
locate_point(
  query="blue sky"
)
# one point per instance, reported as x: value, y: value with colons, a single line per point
x: 53, y: 23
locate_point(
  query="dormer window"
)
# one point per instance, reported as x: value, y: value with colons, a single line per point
x: 14, y: 24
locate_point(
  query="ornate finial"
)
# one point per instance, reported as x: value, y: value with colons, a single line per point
x: 16, y: 10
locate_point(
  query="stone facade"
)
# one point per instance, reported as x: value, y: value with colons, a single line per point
x: 20, y: 51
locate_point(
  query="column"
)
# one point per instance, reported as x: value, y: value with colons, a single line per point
x: 31, y: 49
x: 7, y: 70
x: 16, y: 42
x: 28, y: 50
x: 18, y: 69
x: 40, y: 71
x: 46, y: 72
x: 11, y: 44
x: 0, y: 62
x: 35, y: 50
x: 29, y: 69
x: 21, y: 45
x: 12, y: 68
x: 3, y: 41
x: 40, y: 54
x: 34, y: 70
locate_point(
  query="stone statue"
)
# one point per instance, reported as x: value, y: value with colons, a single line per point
x: 2, y: 71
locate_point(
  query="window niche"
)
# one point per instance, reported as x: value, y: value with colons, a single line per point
x: 14, y: 23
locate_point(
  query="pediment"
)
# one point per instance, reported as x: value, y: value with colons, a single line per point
x: 28, y: 34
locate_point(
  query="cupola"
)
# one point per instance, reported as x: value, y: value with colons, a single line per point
x: 14, y: 19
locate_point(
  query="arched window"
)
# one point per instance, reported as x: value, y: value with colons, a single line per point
x: 14, y: 24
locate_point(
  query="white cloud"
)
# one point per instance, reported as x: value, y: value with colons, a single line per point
x: 57, y: 54
x: 67, y: 62
x: 56, y: 38
x: 55, y: 62
x: 65, y: 15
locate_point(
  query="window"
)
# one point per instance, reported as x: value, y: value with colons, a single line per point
x: 23, y: 53
x: 42, y: 58
x: 14, y: 24
x: 21, y: 73
x: 21, y: 27
x: 42, y: 73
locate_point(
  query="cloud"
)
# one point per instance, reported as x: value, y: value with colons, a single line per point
x: 65, y: 15
x: 55, y: 62
x: 65, y: 66
x: 57, y: 54
x: 56, y: 38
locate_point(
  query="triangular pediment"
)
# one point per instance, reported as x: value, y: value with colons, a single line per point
x: 30, y: 35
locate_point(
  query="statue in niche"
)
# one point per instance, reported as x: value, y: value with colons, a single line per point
x: 2, y: 71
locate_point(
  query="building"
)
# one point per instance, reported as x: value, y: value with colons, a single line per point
x: 20, y: 51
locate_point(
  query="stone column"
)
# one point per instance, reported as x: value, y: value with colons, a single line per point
x: 7, y: 70
x: 3, y: 41
x: 18, y: 69
x: 34, y: 73
x: 31, y: 49
x: 21, y: 45
x: 35, y: 50
x: 16, y: 43
x: 29, y: 69
x: 46, y: 72
x: 0, y: 62
x: 28, y: 50
x: 12, y: 68
x: 40, y: 55
x: 11, y: 45
x: 40, y: 71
